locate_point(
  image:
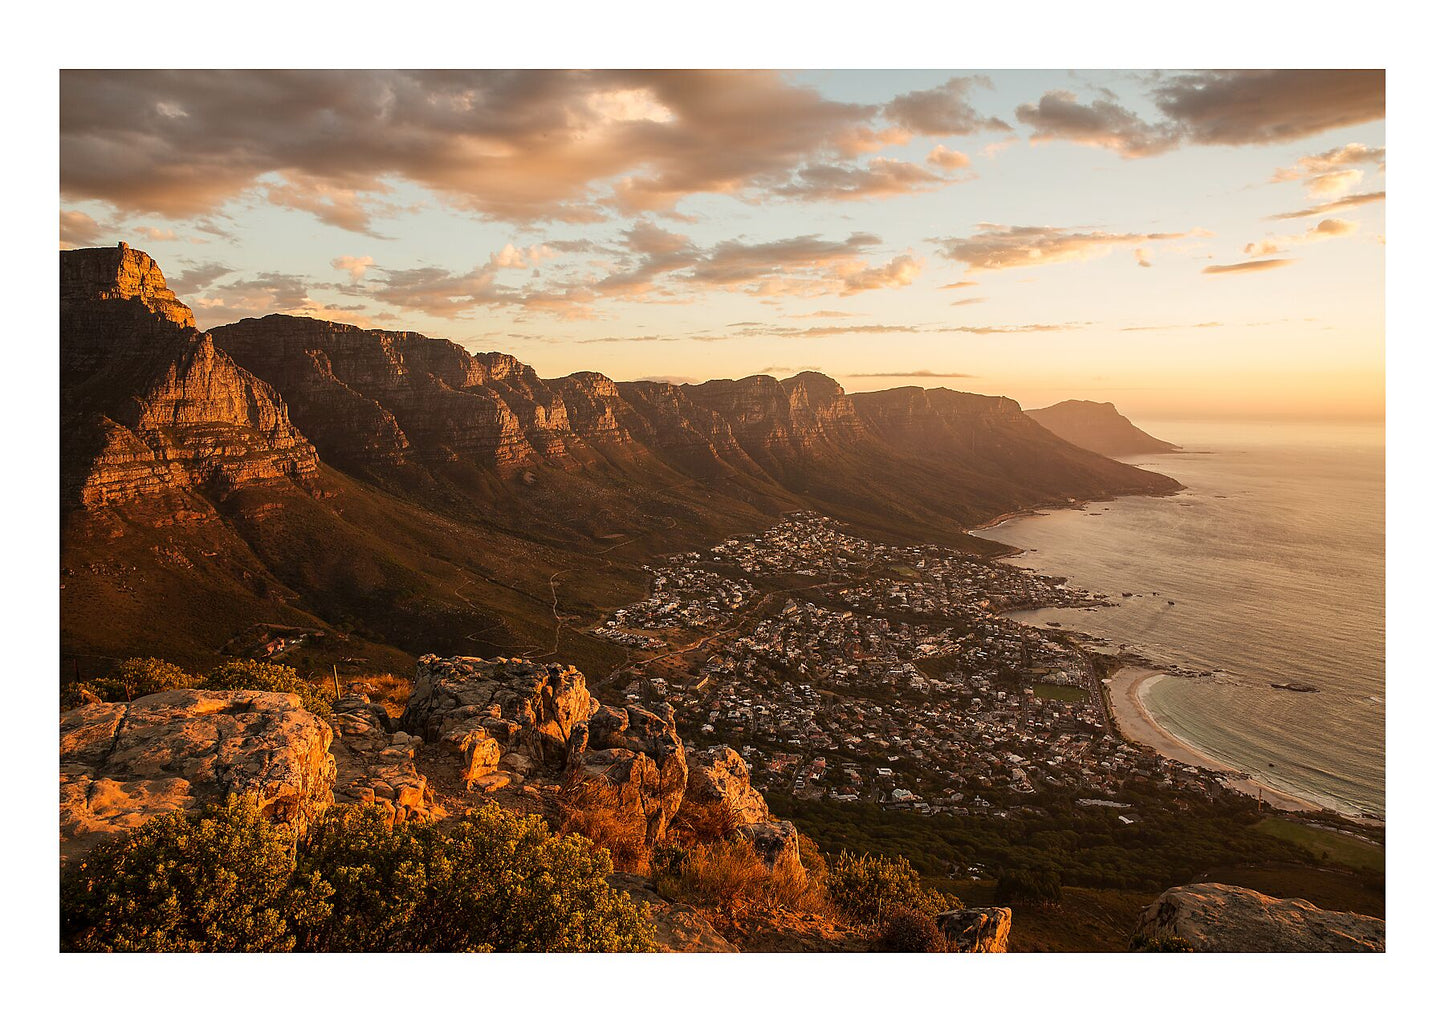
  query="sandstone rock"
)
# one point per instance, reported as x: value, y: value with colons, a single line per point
x: 1217, y: 917
x: 983, y: 930
x: 123, y: 764
x: 775, y: 841
x: 476, y: 750
x: 680, y: 928
x: 718, y: 776
x: 375, y: 767
x: 655, y: 737
x: 523, y: 706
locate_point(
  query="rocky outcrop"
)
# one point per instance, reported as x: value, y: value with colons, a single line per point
x: 774, y: 841
x: 639, y: 756
x: 981, y: 930
x: 376, y: 766
x: 1099, y: 427
x: 124, y: 764
x: 522, y: 706
x: 1217, y: 917
x: 718, y: 777
x: 149, y: 406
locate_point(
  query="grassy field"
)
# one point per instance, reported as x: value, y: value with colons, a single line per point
x: 1330, y: 846
x: 1063, y: 693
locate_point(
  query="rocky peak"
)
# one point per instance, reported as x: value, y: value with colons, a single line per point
x: 120, y: 273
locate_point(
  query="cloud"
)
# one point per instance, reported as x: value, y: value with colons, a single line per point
x: 880, y: 178
x: 897, y: 272
x: 1141, y: 256
x: 519, y: 146
x: 948, y: 159
x: 968, y: 301
x: 997, y: 247
x: 1249, y: 267
x: 1322, y: 231
x: 1103, y: 124
x: 262, y: 295
x: 513, y: 258
x: 1254, y: 107
x: 80, y: 230
x: 1175, y: 326
x: 435, y: 291
x: 943, y: 110
x: 1258, y: 107
x: 156, y: 233
x: 1333, y: 172
x: 196, y: 277
x: 1348, y: 202
x: 356, y: 266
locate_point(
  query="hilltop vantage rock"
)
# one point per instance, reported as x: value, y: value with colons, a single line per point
x: 1217, y: 917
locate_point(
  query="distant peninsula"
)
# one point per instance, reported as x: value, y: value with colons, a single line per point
x: 1099, y: 427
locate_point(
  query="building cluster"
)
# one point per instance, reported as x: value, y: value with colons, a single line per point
x: 851, y: 670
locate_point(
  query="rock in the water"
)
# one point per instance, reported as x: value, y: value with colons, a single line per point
x: 1217, y: 917
x: 124, y: 764
x: 718, y: 776
x: 374, y: 766
x: 979, y: 930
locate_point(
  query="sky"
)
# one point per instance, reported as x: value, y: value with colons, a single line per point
x: 1184, y: 244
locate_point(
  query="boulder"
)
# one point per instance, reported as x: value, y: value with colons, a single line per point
x: 124, y: 764
x: 522, y: 706
x: 374, y: 766
x: 718, y: 776
x: 1217, y: 917
x: 979, y: 930
x: 774, y: 841
x: 623, y: 782
x: 655, y: 737
x: 680, y: 928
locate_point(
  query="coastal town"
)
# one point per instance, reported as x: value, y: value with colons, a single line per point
x: 849, y: 670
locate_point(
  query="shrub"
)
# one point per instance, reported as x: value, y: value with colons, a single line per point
x: 865, y: 888
x: 727, y: 876
x: 502, y: 882
x: 1157, y: 943
x: 227, y: 880
x: 912, y: 931
x: 136, y: 677
x: 220, y: 881
x: 596, y: 812
x: 1028, y: 887
x: 259, y: 676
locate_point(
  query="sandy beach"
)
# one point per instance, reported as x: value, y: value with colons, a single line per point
x: 1126, y: 690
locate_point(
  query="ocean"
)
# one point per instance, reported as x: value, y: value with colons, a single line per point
x: 1274, y: 558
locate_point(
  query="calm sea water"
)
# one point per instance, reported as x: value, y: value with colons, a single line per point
x: 1274, y: 556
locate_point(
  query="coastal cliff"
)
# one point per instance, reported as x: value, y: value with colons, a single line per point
x: 1098, y: 427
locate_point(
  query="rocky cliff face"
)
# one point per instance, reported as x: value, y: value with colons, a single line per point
x: 1098, y: 427
x: 149, y: 406
x: 1217, y: 917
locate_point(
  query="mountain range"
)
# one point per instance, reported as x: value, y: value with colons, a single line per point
x: 396, y: 494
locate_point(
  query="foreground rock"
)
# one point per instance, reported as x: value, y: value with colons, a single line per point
x: 124, y: 764
x: 680, y: 928
x: 377, y: 766
x: 980, y: 930
x: 1216, y: 917
x: 718, y: 777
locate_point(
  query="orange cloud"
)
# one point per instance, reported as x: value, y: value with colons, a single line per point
x: 1002, y: 248
x: 1249, y: 267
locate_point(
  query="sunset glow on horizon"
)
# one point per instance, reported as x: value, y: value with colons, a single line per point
x: 1184, y: 244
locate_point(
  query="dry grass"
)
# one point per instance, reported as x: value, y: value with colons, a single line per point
x: 389, y: 690
x: 595, y: 812
x: 697, y: 824
x: 728, y: 877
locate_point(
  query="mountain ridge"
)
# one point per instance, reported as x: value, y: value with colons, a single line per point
x: 1098, y: 426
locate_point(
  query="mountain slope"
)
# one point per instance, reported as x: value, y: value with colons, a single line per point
x: 1099, y: 427
x: 455, y: 502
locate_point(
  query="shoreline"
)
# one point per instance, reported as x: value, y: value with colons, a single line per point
x: 1125, y: 690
